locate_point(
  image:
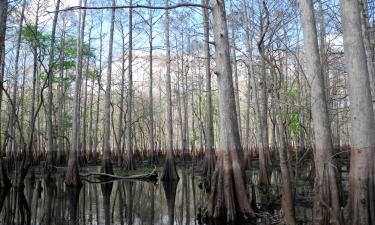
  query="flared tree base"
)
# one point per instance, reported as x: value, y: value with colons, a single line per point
x: 228, y: 199
x: 247, y: 161
x: 130, y: 164
x: 209, y: 163
x: 106, y: 166
x: 72, y: 174
x: 169, y: 172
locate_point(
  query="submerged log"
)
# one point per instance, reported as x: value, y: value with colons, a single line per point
x: 152, y: 176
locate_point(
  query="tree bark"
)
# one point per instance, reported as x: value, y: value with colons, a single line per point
x: 51, y: 147
x: 72, y: 174
x: 130, y: 160
x: 325, y: 184
x: 228, y: 198
x: 209, y: 160
x: 151, y: 147
x: 106, y: 161
x: 361, y: 202
x: 4, y: 179
x: 169, y: 171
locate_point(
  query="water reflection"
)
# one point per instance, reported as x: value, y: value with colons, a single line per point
x: 48, y: 202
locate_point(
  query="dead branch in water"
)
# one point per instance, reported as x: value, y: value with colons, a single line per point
x: 152, y: 176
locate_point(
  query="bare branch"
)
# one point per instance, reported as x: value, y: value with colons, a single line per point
x: 72, y: 8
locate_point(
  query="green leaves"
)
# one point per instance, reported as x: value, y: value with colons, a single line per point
x: 35, y: 38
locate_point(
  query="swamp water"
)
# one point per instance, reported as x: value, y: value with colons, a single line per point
x: 140, y: 203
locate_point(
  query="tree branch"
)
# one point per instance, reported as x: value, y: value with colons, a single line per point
x: 72, y: 8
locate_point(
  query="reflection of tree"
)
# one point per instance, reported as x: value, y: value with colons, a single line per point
x: 170, y: 195
x: 51, y: 192
x: 152, y: 214
x: 106, y: 191
x: 22, y: 215
x: 3, y: 194
x: 121, y: 202
x: 129, y: 209
x: 72, y: 194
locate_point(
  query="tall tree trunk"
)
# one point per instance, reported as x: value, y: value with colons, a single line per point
x: 106, y: 161
x: 130, y: 161
x: 84, y: 113
x: 12, y: 125
x: 61, y: 102
x: 367, y: 44
x: 96, y: 140
x: 51, y: 147
x: 250, y: 87
x: 325, y: 184
x: 169, y: 171
x: 361, y: 202
x: 4, y: 180
x: 235, y: 69
x: 72, y: 174
x: 121, y: 111
x: 209, y: 156
x: 151, y: 146
x: 228, y: 198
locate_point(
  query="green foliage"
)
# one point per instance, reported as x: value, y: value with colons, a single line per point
x: 36, y: 38
x: 293, y: 95
x: 294, y: 126
x: 92, y: 74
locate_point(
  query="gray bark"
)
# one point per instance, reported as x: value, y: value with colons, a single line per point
x: 106, y: 164
x: 324, y: 162
x: 51, y: 147
x: 361, y: 183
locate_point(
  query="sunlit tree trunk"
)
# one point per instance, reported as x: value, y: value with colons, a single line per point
x: 209, y: 160
x: 72, y: 174
x: 228, y: 198
x: 106, y: 161
x: 151, y: 146
x: 169, y: 171
x: 361, y: 202
x: 324, y: 162
x: 130, y: 161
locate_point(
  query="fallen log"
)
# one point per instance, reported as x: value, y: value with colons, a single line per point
x: 152, y: 176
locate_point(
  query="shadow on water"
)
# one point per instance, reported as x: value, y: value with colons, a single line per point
x: 49, y: 202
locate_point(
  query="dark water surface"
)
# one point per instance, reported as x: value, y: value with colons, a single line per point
x: 138, y: 203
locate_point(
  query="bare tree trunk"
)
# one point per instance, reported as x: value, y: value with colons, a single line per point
x: 130, y: 161
x: 51, y: 147
x: 4, y: 180
x: 235, y: 70
x: 12, y: 125
x: 61, y: 101
x: 169, y: 171
x: 228, y: 198
x: 151, y: 147
x: 84, y: 113
x: 72, y: 174
x: 96, y: 140
x: 361, y: 202
x: 209, y: 156
x: 261, y: 99
x: 324, y: 163
x: 367, y: 44
x: 250, y: 87
x: 106, y: 161
x: 121, y: 107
